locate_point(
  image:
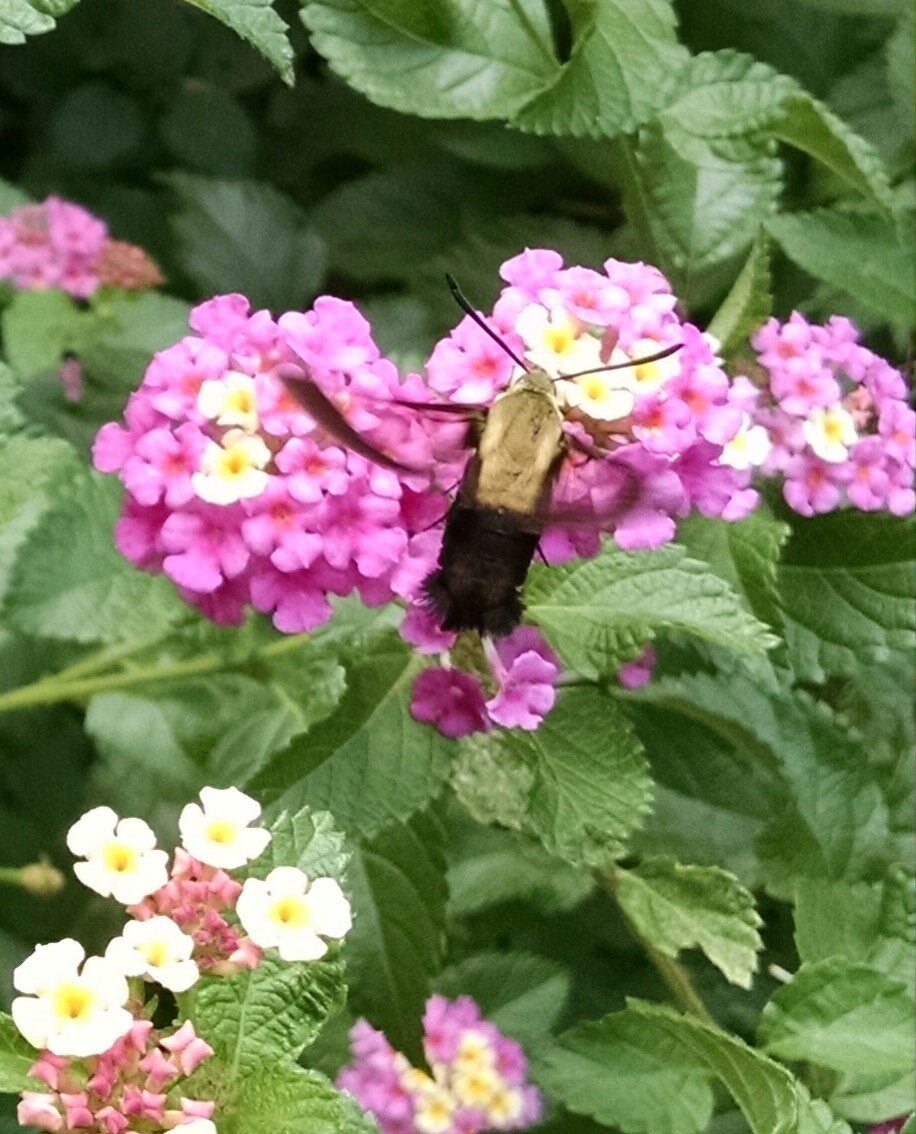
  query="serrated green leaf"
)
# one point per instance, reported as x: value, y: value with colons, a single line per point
x: 745, y: 554
x: 833, y: 821
x: 369, y: 763
x: 592, y: 611
x: 810, y: 127
x: 489, y: 866
x: 258, y: 24
x: 309, y: 841
x: 617, y: 1071
x: 522, y: 994
x: 579, y: 783
x: 397, y: 942
x: 16, y: 1057
x: 868, y: 256
x: 247, y: 236
x: 70, y: 582
x: 842, y: 1015
x: 846, y: 588
x: 29, y: 469
x: 267, y: 1014
x: 622, y: 56
x: 38, y: 328
x: 771, y: 1100
x: 465, y: 58
x: 19, y: 18
x: 748, y: 304
x: 676, y: 907
x: 291, y: 1100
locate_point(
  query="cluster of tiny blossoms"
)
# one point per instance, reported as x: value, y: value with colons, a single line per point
x: 105, y: 1065
x: 831, y: 419
x: 57, y: 244
x: 476, y: 1080
x: 239, y: 497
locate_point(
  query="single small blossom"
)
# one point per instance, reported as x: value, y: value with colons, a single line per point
x: 218, y: 833
x: 638, y: 672
x: 830, y: 432
x: 121, y: 856
x: 157, y: 949
x: 39, y: 1110
x: 232, y: 470
x: 451, y: 700
x: 749, y: 448
x: 71, y: 1006
x: 230, y: 400
x: 554, y: 341
x: 286, y: 911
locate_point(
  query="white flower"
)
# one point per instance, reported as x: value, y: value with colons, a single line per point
x: 556, y: 341
x: 218, y: 833
x: 434, y: 1109
x: 121, y: 859
x: 196, y: 1126
x: 749, y: 448
x: 68, y: 1011
x: 602, y: 395
x: 647, y: 377
x: 285, y: 911
x: 229, y: 400
x: 234, y: 470
x: 830, y: 432
x: 155, y: 948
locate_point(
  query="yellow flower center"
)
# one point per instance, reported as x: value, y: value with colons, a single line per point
x: 119, y: 858
x: 292, y: 912
x: 220, y: 831
x: 72, y: 1001
x: 154, y: 953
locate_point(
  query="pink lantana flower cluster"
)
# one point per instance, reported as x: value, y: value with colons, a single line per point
x: 89, y: 1016
x: 476, y: 1080
x: 832, y: 420
x: 57, y: 244
x: 138, y: 1078
x: 523, y: 669
x: 240, y: 498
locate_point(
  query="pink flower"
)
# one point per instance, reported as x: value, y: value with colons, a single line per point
x: 451, y: 700
x: 638, y: 672
x: 53, y: 244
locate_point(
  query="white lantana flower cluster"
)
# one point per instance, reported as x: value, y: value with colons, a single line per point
x: 72, y: 1005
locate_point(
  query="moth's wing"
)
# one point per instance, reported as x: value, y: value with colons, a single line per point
x: 324, y: 413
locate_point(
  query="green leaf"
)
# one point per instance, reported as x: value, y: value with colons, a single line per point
x: 38, y: 328
x: 465, y: 59
x: 745, y: 554
x: 291, y: 1100
x: 369, y: 763
x: 19, y: 18
x: 30, y: 470
x: 876, y: 927
x: 579, y: 782
x: 16, y: 1057
x: 593, y: 611
x: 748, y: 304
x: 246, y: 236
x: 846, y: 588
x: 617, y: 1071
x: 810, y: 127
x: 673, y: 1056
x: 308, y: 840
x: 868, y: 256
x: 266, y: 1014
x: 842, y: 1015
x: 397, y: 941
x: 832, y: 821
x: 70, y: 582
x: 676, y: 907
x: 522, y: 994
x: 701, y: 179
x: 258, y: 24
x: 489, y: 866
x: 622, y: 56
x: 196, y: 126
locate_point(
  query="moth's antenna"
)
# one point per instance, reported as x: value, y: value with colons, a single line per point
x: 469, y: 310
x: 629, y: 362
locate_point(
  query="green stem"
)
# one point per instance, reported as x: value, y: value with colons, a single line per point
x: 675, y: 977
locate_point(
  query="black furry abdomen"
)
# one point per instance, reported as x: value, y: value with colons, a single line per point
x: 484, y: 559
